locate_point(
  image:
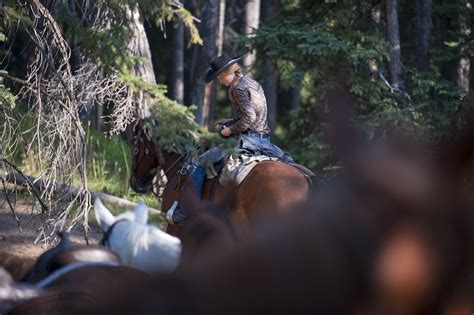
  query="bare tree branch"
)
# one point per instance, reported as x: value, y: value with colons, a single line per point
x: 10, y: 205
x: 44, y: 207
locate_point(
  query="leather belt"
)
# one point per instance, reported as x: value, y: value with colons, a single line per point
x: 259, y: 134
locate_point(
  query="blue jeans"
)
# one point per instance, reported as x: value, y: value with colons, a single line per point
x: 257, y: 145
x: 198, y: 177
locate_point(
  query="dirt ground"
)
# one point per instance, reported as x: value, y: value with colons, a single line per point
x: 21, y: 244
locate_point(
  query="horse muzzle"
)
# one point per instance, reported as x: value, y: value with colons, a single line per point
x: 140, y: 186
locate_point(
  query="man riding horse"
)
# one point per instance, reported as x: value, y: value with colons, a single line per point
x: 250, y: 125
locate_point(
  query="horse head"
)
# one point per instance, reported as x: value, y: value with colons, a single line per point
x: 139, y: 245
x: 145, y: 162
x: 106, y: 219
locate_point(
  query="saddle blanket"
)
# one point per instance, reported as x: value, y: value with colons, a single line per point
x: 237, y: 168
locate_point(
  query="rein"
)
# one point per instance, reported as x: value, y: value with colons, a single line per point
x: 174, y: 164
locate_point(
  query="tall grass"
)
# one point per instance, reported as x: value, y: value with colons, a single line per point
x: 109, y: 167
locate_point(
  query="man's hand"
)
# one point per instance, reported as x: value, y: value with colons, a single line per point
x: 226, y: 132
x: 225, y: 121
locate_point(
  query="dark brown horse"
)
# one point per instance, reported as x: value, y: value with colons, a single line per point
x: 394, y: 235
x: 79, y: 289
x: 270, y: 188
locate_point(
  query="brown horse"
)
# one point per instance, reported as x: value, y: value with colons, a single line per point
x: 393, y: 235
x: 270, y: 188
x: 79, y: 289
x: 67, y: 278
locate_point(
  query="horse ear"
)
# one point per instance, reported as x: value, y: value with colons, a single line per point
x: 141, y: 213
x: 103, y: 216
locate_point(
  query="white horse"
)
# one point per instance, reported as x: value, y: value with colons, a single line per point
x: 139, y: 245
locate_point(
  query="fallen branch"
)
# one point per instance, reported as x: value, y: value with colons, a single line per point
x: 18, y: 179
x: 26, y: 180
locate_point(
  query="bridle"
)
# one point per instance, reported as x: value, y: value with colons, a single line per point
x: 139, y: 158
x: 146, y: 153
x: 107, y: 233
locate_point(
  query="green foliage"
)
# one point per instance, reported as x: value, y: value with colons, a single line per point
x: 109, y: 167
x: 106, y: 43
x: 314, y: 40
x: 109, y: 156
x: 167, y: 12
x: 174, y: 127
x: 7, y: 99
x: 12, y: 14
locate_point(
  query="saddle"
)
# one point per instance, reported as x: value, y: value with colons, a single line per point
x: 83, y: 253
x: 235, y: 170
x: 233, y: 166
x: 68, y: 253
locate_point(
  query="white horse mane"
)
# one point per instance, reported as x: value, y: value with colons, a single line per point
x: 139, y: 245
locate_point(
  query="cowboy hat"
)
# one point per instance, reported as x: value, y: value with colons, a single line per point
x: 220, y: 64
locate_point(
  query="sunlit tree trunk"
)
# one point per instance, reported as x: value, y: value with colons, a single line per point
x: 190, y: 55
x: 393, y: 34
x: 464, y: 63
x: 139, y: 46
x: 270, y: 75
x: 176, y: 90
x: 220, y: 33
x: 296, y: 94
x: 210, y: 90
x: 203, y: 94
x: 424, y: 26
x: 252, y: 17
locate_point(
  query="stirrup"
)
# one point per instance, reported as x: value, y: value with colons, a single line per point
x: 170, y: 212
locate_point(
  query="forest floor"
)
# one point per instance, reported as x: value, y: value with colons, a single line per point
x: 21, y: 243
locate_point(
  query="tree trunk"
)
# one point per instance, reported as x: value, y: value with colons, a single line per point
x: 202, y: 95
x: 270, y: 75
x: 296, y: 94
x: 96, y: 116
x: 139, y: 46
x: 234, y: 25
x: 252, y: 16
x: 464, y: 63
x: 176, y: 91
x: 220, y: 33
x: 393, y: 35
x: 190, y: 55
x: 424, y: 26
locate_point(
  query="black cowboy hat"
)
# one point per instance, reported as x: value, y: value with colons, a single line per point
x: 220, y: 64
